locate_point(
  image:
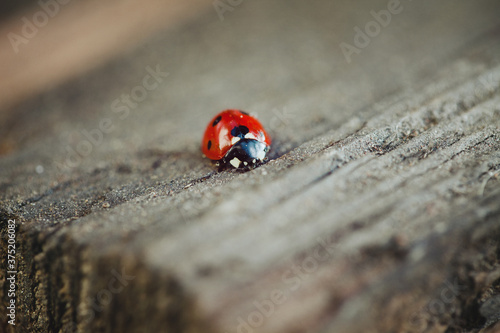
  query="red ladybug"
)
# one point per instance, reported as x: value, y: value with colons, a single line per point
x: 235, y: 137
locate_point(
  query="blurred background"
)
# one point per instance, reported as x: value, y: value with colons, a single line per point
x: 64, y: 63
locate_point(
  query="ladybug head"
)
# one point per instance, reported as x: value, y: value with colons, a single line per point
x: 246, y: 153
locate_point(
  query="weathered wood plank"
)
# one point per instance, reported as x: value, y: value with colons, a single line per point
x: 378, y: 211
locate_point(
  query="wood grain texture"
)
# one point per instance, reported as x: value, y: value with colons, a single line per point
x: 377, y: 211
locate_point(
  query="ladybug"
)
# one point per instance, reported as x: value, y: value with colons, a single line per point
x: 234, y: 137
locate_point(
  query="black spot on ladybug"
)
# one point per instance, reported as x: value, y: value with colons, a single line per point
x: 239, y: 131
x: 246, y: 114
x: 216, y: 121
x: 209, y: 145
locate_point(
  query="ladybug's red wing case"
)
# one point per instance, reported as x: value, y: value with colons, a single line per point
x: 234, y: 137
x: 216, y: 141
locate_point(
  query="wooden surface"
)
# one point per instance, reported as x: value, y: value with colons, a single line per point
x: 378, y: 210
